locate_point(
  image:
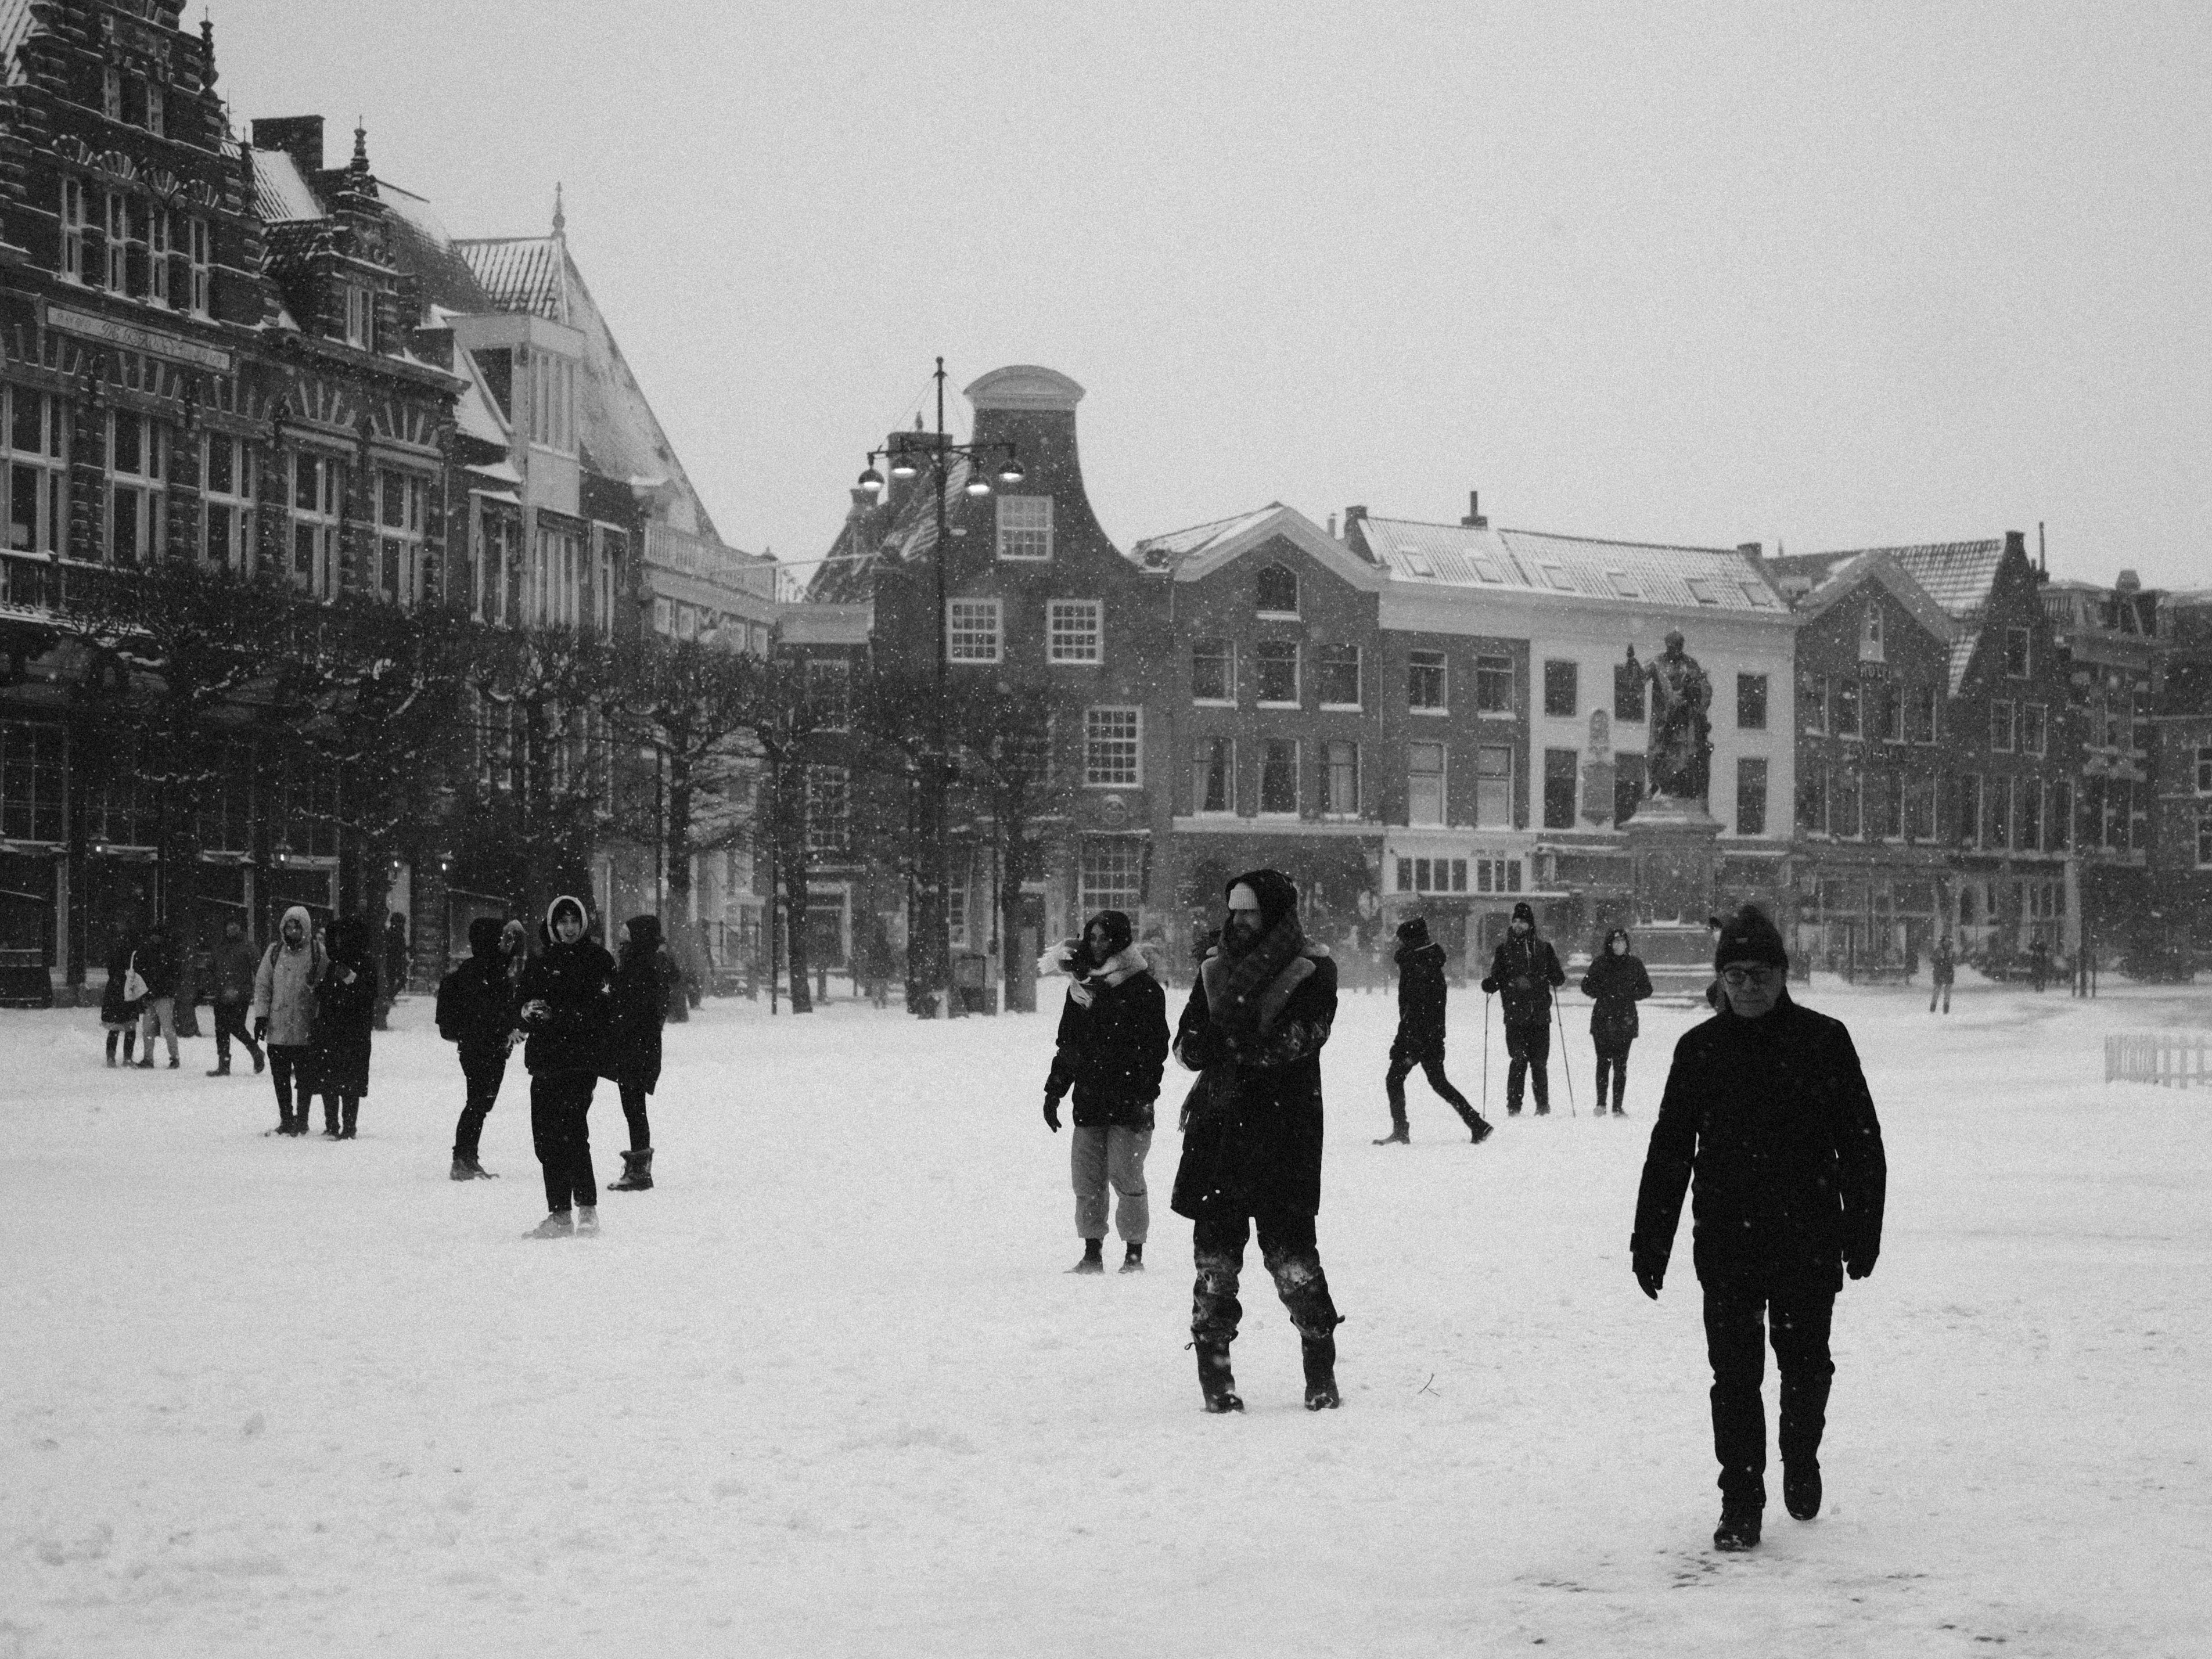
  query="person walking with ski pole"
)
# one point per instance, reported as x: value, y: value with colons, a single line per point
x: 1420, y: 1039
x: 1523, y: 971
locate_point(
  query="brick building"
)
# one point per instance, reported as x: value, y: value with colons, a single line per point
x: 1872, y: 870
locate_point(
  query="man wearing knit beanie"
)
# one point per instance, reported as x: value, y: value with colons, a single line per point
x: 1767, y: 1111
x: 1524, y: 970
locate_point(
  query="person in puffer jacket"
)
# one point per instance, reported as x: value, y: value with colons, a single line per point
x: 1617, y: 981
x: 284, y: 1015
x: 477, y: 1013
x: 566, y: 994
x: 1112, y: 1047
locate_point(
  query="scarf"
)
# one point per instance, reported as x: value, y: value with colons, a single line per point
x: 1242, y: 1004
x: 1118, y: 969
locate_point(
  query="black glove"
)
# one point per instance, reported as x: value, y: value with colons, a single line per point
x: 1489, y: 986
x: 1052, y: 1112
x: 1858, y: 1263
x: 1650, y: 1279
x: 260, y: 1027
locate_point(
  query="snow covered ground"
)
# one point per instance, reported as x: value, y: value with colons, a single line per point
x: 828, y: 1390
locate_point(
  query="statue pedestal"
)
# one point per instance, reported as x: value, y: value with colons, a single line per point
x: 1674, y: 853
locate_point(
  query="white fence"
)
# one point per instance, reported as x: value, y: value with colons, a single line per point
x: 2163, y: 1057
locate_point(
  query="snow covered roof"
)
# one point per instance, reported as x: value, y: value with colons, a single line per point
x: 1196, y: 553
x: 1959, y: 576
x: 281, y: 193
x: 1177, y: 545
x: 521, y: 273
x: 16, y: 23
x: 1537, y: 561
x: 1812, y: 582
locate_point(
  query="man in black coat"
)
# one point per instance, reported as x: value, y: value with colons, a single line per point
x: 1113, y: 1046
x: 1420, y: 1039
x: 1523, y: 970
x: 1252, y: 1029
x: 566, y: 991
x: 1616, y: 982
x: 1767, y: 1109
x: 477, y: 1013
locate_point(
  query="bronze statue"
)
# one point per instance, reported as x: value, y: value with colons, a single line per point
x: 1681, y: 747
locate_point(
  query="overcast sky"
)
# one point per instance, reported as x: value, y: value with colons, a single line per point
x: 1823, y: 275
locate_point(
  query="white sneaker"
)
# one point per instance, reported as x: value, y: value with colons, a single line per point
x: 588, y: 1219
x: 558, y: 1224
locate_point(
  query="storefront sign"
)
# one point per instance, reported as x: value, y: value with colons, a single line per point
x: 135, y: 338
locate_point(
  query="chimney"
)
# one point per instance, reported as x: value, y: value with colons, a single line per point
x: 1752, y: 550
x: 1474, y: 521
x: 1352, y: 516
x: 2130, y: 583
x: 1332, y: 527
x: 300, y: 137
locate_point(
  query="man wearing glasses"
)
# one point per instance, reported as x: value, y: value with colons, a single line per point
x: 1767, y: 1109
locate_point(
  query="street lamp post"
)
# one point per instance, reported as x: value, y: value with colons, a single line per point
x: 938, y: 451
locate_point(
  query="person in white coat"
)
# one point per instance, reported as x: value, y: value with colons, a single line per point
x: 284, y: 1016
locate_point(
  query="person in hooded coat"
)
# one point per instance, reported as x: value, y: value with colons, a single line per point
x: 1420, y: 1039
x: 119, y: 1012
x: 565, y: 991
x: 1767, y: 1112
x: 284, y: 1015
x: 1618, y: 981
x: 345, y: 1017
x: 1111, y: 1049
x: 1523, y: 970
x: 476, y: 1012
x: 647, y: 993
x: 1253, y: 1030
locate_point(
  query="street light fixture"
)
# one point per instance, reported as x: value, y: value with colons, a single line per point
x: 907, y: 457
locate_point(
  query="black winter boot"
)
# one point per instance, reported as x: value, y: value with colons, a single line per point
x: 1478, y: 1127
x: 1133, y: 1259
x: 1214, y: 1381
x: 1398, y: 1136
x: 352, y: 1115
x: 1094, y: 1257
x: 1801, y: 1489
x: 637, y: 1173
x: 1738, y: 1530
x: 1320, y: 1374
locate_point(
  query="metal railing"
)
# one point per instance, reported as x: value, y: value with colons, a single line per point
x: 709, y: 561
x: 2166, y: 1058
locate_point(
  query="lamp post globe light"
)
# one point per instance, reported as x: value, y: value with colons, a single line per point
x: 936, y: 454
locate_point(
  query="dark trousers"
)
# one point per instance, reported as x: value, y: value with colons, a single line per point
x: 1292, y: 1259
x: 230, y: 1022
x: 341, y: 1108
x: 1941, y: 992
x: 641, y: 1128
x: 560, y: 1108
x: 1613, y: 1060
x: 482, y: 1073
x: 1797, y: 1322
x: 1529, y: 1050
x: 291, y: 1063
x: 1404, y: 1057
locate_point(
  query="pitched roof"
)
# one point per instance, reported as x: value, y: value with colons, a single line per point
x: 421, y: 244
x: 521, y: 273
x: 904, y: 532
x: 1196, y: 553
x: 1177, y: 545
x: 15, y: 21
x: 1957, y: 576
x: 280, y: 190
x: 1812, y: 582
x: 1537, y: 561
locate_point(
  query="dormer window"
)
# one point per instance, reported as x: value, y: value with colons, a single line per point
x: 1278, y: 592
x: 360, y: 317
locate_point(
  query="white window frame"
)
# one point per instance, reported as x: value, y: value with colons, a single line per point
x: 1508, y: 708
x: 124, y: 217
x: 1229, y: 652
x: 1296, y: 596
x: 664, y: 615
x: 828, y: 809
x: 1101, y: 746
x: 1489, y: 784
x: 47, y: 467
x: 1297, y: 768
x: 156, y: 112
x: 1260, y: 674
x: 2204, y: 838
x: 1226, y: 752
x: 360, y: 316
x: 1439, y: 660
x: 1358, y: 674
x: 199, y: 250
x: 2027, y: 654
x: 232, y: 546
x: 146, y: 490
x: 1128, y: 894
x: 321, y: 521
x: 1075, y: 632
x: 400, y: 545
x: 2011, y: 727
x: 159, y: 247
x: 975, y: 631
x: 1023, y: 528
x: 2204, y: 769
x: 76, y: 220
x: 1326, y: 796
x: 1441, y: 773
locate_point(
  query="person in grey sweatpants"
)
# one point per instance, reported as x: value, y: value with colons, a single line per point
x: 1112, y: 1047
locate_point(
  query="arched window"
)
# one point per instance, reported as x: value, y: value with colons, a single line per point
x: 1278, y: 592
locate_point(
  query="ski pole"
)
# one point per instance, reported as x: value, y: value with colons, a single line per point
x: 1486, y: 1054
x: 1566, y: 1066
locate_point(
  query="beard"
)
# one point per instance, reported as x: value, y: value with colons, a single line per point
x: 1236, y: 941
